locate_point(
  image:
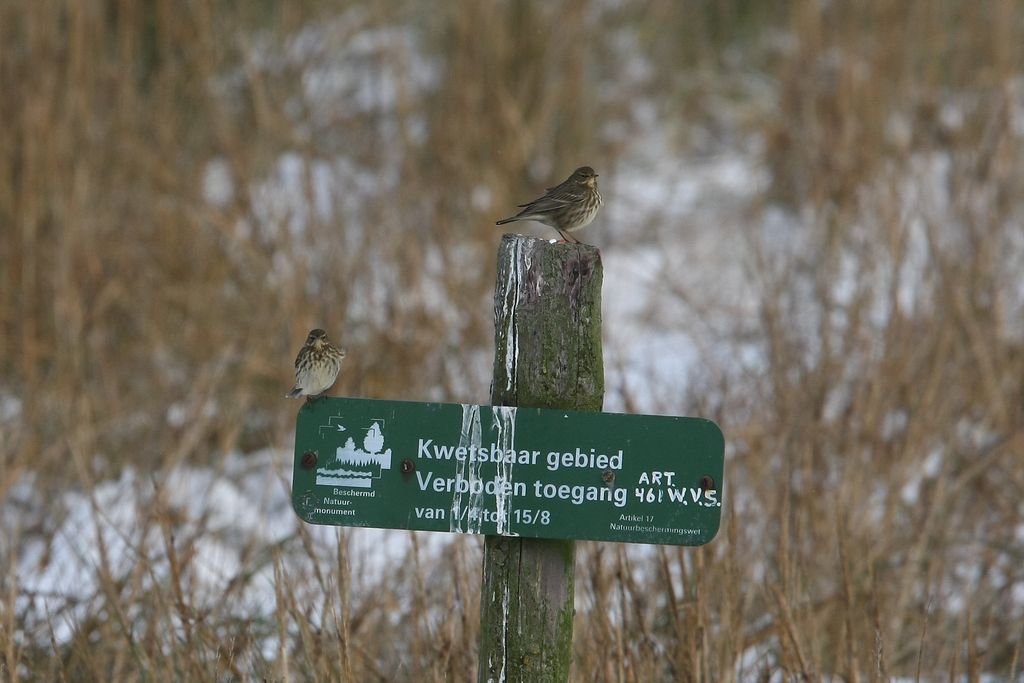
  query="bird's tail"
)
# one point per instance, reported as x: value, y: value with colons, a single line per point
x: 294, y: 393
x: 503, y: 221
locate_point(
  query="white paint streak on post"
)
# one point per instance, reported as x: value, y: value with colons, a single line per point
x: 504, y: 630
x: 505, y: 424
x: 474, y: 513
x: 504, y: 638
x: 469, y: 435
x: 510, y: 301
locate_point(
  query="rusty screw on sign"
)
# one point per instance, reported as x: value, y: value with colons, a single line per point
x: 707, y: 483
x: 407, y: 466
x: 309, y: 460
x: 608, y: 477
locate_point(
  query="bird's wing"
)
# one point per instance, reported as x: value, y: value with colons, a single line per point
x: 567, y: 195
x: 566, y: 184
x: 555, y: 199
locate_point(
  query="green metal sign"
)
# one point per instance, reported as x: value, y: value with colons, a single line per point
x: 509, y: 471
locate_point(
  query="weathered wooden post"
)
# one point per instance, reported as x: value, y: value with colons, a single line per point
x: 547, y: 319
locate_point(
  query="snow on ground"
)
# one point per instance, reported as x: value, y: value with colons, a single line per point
x: 10, y: 408
x: 243, y: 504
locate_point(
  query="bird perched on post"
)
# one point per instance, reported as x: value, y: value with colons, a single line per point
x: 565, y: 207
x: 316, y: 366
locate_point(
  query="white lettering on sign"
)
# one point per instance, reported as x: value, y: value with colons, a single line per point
x: 581, y: 460
x: 650, y: 528
x: 706, y: 498
x: 655, y: 477
x: 474, y: 453
x: 502, y: 452
x: 657, y: 486
x: 492, y: 487
x: 578, y: 459
x: 356, y: 493
x: 333, y: 511
x: 580, y: 494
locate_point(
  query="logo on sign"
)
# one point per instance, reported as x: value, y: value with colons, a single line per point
x: 352, y: 466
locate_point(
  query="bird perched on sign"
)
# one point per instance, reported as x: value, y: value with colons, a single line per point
x: 566, y: 207
x: 316, y: 366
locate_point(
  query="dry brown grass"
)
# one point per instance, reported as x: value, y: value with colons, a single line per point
x: 874, y: 517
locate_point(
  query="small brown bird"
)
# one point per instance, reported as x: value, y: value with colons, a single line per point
x: 565, y: 207
x: 316, y: 366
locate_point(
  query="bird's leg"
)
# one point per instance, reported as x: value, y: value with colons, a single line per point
x: 565, y: 239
